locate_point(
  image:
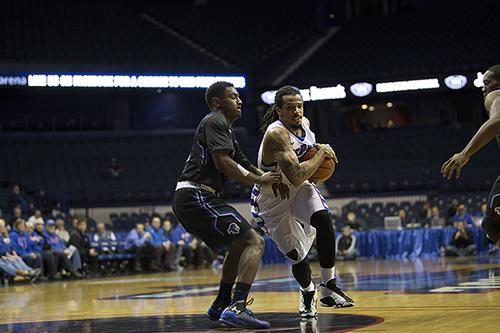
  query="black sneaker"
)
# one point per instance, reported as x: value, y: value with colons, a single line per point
x: 237, y: 315
x: 334, y: 297
x: 307, y: 305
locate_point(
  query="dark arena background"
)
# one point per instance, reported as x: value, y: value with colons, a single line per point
x: 99, y: 102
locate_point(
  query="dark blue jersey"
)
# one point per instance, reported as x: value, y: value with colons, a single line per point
x: 213, y: 133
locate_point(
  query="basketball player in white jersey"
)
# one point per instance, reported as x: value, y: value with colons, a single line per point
x: 294, y: 222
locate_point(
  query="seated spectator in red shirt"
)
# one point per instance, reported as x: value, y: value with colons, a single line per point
x: 462, y: 243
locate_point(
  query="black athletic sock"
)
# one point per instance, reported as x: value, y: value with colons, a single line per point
x: 224, y: 295
x: 241, y: 291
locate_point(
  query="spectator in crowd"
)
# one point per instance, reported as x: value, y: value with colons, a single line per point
x: 424, y: 213
x: 81, y: 241
x: 114, y: 170
x: 103, y: 235
x: 16, y: 215
x: 10, y: 262
x: 18, y: 199
x: 407, y: 221
x: 436, y: 220
x: 22, y: 245
x: 482, y: 210
x: 462, y: 243
x: 190, y: 247
x: 74, y: 223
x: 61, y: 230
x: 354, y: 222
x: 68, y: 258
x: 452, y: 211
x: 164, y: 254
x: 139, y: 243
x: 171, y: 242
x: 36, y: 215
x: 462, y: 215
x: 346, y: 245
x: 51, y: 261
x: 42, y: 202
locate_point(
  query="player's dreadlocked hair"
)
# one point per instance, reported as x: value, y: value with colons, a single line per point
x: 216, y: 90
x: 271, y: 115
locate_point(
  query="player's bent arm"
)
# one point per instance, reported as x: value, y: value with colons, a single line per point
x: 486, y: 132
x: 278, y: 141
x: 225, y: 164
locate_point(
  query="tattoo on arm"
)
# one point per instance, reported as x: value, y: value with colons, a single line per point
x: 294, y: 170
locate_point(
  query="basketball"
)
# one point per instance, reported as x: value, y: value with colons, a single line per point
x: 325, y: 170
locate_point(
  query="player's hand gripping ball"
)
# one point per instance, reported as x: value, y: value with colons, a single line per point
x: 325, y: 170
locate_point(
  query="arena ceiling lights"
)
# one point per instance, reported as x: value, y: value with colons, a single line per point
x: 363, y: 89
x: 118, y: 81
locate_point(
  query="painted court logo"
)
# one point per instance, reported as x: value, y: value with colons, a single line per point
x: 233, y: 229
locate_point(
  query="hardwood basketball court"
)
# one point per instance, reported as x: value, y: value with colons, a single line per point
x: 419, y: 295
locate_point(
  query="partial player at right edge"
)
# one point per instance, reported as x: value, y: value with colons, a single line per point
x: 491, y: 93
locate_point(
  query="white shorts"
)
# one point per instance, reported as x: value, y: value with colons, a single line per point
x: 288, y: 222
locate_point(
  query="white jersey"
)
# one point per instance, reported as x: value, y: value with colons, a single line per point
x: 288, y: 221
x: 299, y: 144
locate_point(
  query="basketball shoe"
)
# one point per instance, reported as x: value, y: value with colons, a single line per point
x: 332, y: 296
x: 237, y: 315
x: 307, y: 304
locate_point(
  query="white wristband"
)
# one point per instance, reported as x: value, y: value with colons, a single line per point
x: 243, y: 171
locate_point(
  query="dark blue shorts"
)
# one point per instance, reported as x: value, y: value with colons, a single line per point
x: 208, y: 217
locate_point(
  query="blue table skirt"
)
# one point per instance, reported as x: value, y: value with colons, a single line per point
x: 392, y: 244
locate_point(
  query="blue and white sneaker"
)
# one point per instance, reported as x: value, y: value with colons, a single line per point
x: 237, y: 315
x: 215, y: 310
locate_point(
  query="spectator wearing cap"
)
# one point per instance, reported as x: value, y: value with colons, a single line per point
x: 10, y: 262
x: 61, y: 230
x: 22, y: 245
x: 67, y: 258
x: 81, y: 241
x: 139, y: 242
x: 39, y: 245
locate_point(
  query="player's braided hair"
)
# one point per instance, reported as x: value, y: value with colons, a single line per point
x: 271, y: 115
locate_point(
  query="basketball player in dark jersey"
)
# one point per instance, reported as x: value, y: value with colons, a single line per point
x: 215, y: 155
x: 490, y: 129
